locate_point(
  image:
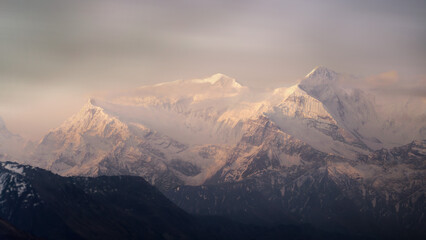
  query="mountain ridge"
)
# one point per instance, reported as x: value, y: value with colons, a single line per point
x: 148, y: 131
x: 307, y: 154
x: 114, y: 207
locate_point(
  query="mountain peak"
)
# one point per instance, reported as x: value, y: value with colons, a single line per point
x: 220, y: 76
x: 90, y: 104
x: 220, y: 79
x: 91, y: 101
x: 321, y: 71
x: 319, y: 76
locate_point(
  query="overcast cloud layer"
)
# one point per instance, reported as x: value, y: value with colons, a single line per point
x: 55, y: 54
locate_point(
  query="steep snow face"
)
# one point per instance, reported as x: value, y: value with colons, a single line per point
x: 320, y: 77
x: 306, y: 118
x: 87, y: 136
x: 354, y: 110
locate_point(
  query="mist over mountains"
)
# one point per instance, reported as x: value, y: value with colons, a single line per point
x: 318, y: 153
x: 200, y: 123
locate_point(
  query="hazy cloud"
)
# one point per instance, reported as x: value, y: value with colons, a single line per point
x: 77, y: 47
x: 381, y: 80
x: 390, y: 85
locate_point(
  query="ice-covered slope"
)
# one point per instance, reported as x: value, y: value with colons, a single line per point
x: 356, y: 111
x: 352, y: 108
x: 308, y: 119
x: 93, y: 143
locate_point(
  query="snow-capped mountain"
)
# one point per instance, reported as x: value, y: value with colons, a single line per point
x: 353, y: 109
x: 311, y: 153
x: 185, y: 132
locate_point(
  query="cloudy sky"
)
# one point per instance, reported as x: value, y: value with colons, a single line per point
x: 55, y: 54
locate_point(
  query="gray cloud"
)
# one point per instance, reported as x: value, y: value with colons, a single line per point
x: 77, y: 47
x: 394, y: 86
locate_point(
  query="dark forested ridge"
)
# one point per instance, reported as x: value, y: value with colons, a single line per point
x: 49, y: 206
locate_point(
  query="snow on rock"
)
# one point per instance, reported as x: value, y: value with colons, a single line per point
x: 12, y: 180
x: 190, y: 131
x: 319, y: 77
x: 358, y: 113
x: 14, y: 167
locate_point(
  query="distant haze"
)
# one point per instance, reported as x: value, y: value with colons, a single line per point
x: 55, y: 54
